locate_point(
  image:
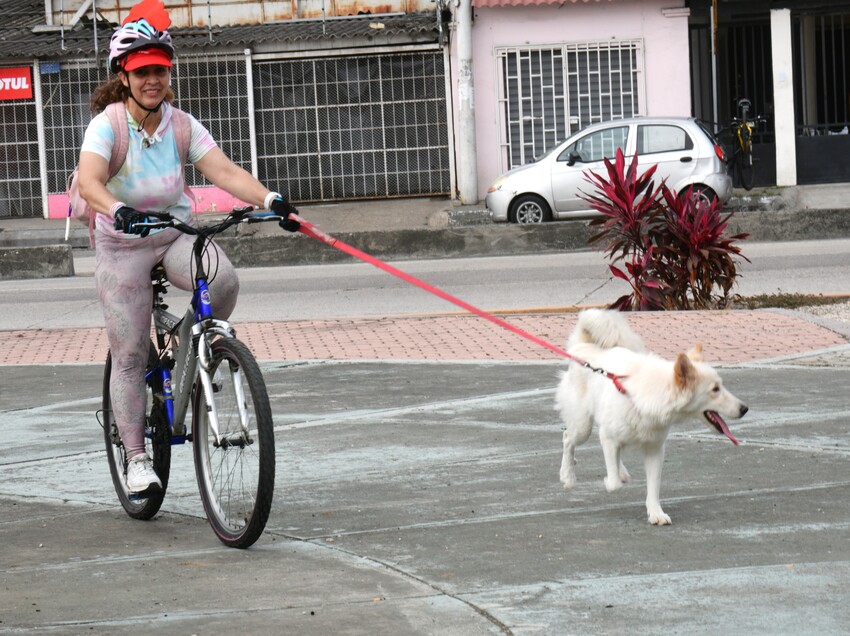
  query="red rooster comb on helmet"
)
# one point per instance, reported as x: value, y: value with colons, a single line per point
x: 151, y: 10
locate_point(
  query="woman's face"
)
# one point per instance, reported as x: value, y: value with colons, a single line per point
x: 149, y: 84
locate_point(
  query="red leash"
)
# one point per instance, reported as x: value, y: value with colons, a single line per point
x: 312, y: 231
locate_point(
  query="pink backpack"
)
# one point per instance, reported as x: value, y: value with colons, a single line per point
x: 77, y: 206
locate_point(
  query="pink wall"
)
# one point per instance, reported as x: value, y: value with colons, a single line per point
x: 206, y: 200
x: 666, y: 85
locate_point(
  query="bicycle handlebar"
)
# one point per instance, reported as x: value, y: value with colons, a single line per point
x: 234, y: 217
x: 205, y: 233
x: 758, y: 119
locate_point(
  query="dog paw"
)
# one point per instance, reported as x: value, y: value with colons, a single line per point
x: 659, y: 518
x: 625, y: 477
x: 569, y: 481
x: 612, y: 484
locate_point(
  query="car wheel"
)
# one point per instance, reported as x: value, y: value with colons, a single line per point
x: 530, y: 209
x: 701, y: 194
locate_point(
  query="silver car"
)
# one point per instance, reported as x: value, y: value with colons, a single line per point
x: 686, y: 153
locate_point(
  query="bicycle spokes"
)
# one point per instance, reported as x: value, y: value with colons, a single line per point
x: 234, y: 445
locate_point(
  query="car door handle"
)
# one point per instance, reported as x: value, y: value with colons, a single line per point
x: 686, y: 159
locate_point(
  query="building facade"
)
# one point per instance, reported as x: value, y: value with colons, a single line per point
x: 791, y: 59
x: 544, y: 70
x: 330, y: 100
x: 321, y: 108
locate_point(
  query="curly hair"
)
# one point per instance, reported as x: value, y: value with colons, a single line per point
x: 113, y: 90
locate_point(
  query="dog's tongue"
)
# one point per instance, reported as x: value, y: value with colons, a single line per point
x: 720, y: 425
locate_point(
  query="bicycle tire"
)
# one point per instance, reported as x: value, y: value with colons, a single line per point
x: 746, y: 170
x: 745, y: 164
x: 157, y: 445
x: 235, y: 479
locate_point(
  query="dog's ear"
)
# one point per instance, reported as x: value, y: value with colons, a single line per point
x: 695, y: 353
x: 684, y: 372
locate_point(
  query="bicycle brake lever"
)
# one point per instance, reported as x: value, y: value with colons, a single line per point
x: 162, y: 216
x: 238, y: 213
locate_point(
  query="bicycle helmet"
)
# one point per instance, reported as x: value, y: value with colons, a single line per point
x: 138, y: 44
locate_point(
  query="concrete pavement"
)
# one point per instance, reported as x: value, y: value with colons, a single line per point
x: 417, y: 493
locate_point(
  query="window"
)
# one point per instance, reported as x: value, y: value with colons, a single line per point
x: 212, y: 88
x: 651, y: 139
x: 351, y: 127
x: 597, y: 146
x: 547, y: 94
x: 328, y: 128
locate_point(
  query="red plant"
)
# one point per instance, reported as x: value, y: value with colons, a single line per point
x: 646, y: 287
x: 675, y: 249
x: 628, y: 205
x: 698, y: 253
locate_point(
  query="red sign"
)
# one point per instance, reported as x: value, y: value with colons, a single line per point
x: 16, y: 83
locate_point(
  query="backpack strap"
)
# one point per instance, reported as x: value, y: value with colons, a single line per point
x: 120, y: 131
x: 183, y: 138
x: 182, y: 132
x: 118, y: 118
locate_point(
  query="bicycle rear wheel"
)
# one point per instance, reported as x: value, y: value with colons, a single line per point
x: 157, y: 444
x: 236, y: 473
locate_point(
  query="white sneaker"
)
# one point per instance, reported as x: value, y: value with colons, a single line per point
x: 141, y: 476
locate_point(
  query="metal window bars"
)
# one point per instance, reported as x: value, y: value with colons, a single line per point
x: 547, y: 93
x: 327, y: 128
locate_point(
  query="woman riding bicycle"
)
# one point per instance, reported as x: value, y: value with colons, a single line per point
x: 151, y: 179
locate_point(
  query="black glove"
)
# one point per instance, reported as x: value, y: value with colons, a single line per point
x: 284, y: 208
x: 127, y: 220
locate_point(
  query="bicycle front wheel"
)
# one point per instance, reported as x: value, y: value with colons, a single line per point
x: 236, y: 470
x: 745, y: 164
x: 157, y: 444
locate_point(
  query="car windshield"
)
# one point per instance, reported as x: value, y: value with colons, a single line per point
x: 595, y: 146
x: 547, y: 153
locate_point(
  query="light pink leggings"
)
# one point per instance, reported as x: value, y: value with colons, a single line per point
x: 122, y: 274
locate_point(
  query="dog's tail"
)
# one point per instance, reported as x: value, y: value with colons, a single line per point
x: 605, y: 329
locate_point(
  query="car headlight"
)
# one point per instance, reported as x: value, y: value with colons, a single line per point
x: 497, y: 184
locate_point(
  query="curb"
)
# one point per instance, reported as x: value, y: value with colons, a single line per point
x: 77, y: 239
x: 45, y: 261
x: 291, y: 249
x: 270, y: 250
x: 26, y: 258
x: 797, y: 225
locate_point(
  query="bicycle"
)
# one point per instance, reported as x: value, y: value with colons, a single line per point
x: 197, y: 359
x: 741, y: 128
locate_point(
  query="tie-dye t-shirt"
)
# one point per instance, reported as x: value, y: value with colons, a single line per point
x: 152, y: 175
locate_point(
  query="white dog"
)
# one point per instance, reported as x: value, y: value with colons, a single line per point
x: 659, y: 394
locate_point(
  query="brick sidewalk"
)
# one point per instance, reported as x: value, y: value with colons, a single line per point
x: 727, y: 336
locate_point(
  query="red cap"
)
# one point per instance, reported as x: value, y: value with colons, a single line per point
x: 146, y: 57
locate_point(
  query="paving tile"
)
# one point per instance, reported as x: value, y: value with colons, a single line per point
x: 727, y: 337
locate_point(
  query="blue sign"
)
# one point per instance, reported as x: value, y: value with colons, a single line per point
x: 49, y: 67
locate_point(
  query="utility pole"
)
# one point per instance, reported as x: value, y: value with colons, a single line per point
x: 467, y: 155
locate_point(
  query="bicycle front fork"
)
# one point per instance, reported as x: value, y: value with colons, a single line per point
x: 177, y: 434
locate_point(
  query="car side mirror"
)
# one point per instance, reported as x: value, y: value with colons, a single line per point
x: 574, y: 156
